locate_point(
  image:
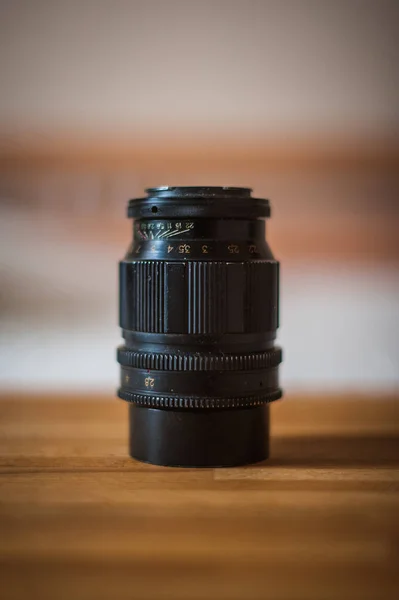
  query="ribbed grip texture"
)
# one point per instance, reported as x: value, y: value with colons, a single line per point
x: 207, y: 297
x: 199, y: 297
x: 145, y: 283
x: 261, y: 296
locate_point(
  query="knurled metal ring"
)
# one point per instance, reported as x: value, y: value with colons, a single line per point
x: 191, y: 402
x: 197, y: 361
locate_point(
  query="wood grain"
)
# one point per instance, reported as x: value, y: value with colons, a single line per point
x: 79, y: 518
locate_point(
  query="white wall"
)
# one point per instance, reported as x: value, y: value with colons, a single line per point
x: 268, y: 69
x: 257, y: 67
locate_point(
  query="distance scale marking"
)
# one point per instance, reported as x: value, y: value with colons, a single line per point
x: 195, y: 247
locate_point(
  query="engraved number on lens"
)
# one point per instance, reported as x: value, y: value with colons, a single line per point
x: 233, y: 249
x: 205, y: 249
x: 149, y: 382
x: 184, y: 249
x: 163, y: 230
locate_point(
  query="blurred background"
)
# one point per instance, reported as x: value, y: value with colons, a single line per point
x: 298, y: 99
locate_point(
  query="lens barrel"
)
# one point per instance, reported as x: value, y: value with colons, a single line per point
x: 199, y: 291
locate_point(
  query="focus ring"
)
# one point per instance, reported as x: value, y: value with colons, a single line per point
x: 199, y: 297
x: 190, y: 402
x: 198, y: 361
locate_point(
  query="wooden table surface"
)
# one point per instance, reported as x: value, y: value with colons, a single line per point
x: 80, y: 519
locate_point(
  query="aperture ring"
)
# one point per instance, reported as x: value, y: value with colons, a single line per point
x: 190, y: 402
x: 199, y: 362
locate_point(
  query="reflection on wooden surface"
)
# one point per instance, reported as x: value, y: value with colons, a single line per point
x: 318, y: 520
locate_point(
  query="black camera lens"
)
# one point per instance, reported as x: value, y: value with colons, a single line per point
x: 199, y: 313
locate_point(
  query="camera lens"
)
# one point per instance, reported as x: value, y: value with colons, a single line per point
x: 199, y: 314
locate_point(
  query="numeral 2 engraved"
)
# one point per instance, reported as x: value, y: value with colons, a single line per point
x: 149, y: 382
x: 253, y: 249
x: 205, y: 249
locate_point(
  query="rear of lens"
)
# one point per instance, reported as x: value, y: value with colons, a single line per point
x: 199, y: 313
